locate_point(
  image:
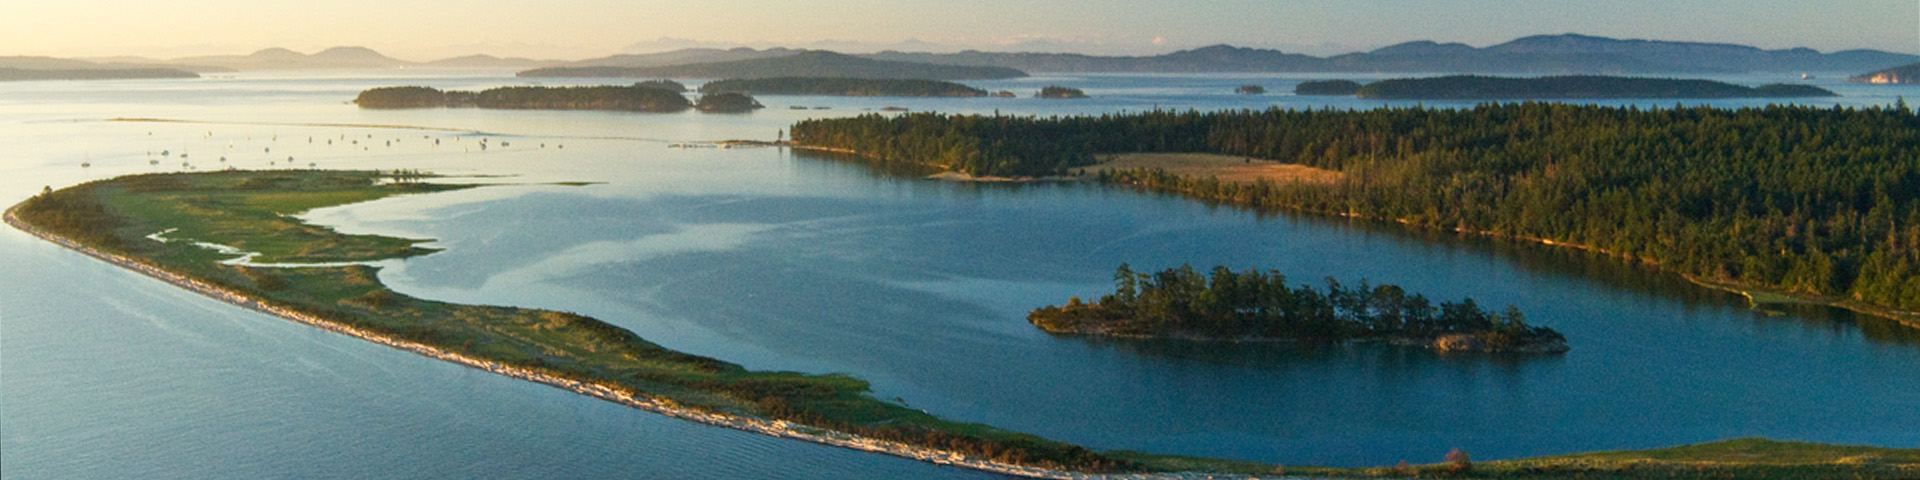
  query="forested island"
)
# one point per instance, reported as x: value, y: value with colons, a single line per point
x: 1822, y: 204
x: 1327, y: 87
x: 1253, y: 306
x: 21, y: 74
x: 851, y: 87
x: 636, y: 98
x: 1056, y: 91
x: 727, y: 102
x: 1472, y: 87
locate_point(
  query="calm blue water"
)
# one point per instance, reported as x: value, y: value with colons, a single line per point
x: 780, y: 261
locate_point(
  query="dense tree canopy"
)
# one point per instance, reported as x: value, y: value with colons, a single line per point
x: 639, y: 98
x: 1822, y: 201
x: 1260, y: 305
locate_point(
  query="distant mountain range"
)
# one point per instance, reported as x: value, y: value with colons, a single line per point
x: 810, y: 63
x: 272, y: 59
x: 1541, y: 54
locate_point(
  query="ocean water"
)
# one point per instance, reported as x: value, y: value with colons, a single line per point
x: 784, y: 261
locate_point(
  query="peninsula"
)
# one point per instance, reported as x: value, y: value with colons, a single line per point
x: 114, y: 220
x: 253, y: 211
x: 1473, y: 87
x: 643, y: 97
x: 1259, y: 306
x: 849, y: 87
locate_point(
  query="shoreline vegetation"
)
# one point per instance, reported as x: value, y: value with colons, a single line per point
x: 1820, y: 204
x: 108, y: 220
x: 1254, y: 306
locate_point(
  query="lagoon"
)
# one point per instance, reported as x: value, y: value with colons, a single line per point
x: 777, y: 260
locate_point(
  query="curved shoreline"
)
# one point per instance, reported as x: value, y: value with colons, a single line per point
x: 1908, y: 318
x: 773, y: 428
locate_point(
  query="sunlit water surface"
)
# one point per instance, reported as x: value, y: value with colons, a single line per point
x: 783, y: 261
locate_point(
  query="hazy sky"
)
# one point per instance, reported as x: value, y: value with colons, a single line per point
x: 427, y: 29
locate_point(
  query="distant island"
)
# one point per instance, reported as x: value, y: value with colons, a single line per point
x: 727, y: 102
x: 1255, y: 306
x: 663, y: 84
x: 803, y: 64
x: 852, y: 87
x: 1327, y: 87
x: 1539, y: 54
x: 1056, y: 91
x: 1902, y: 75
x: 1465, y: 87
x: 630, y: 98
x: 18, y: 74
x: 1250, y: 90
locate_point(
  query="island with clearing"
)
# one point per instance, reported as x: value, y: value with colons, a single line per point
x: 1908, y: 74
x: 1225, y: 305
x: 850, y: 87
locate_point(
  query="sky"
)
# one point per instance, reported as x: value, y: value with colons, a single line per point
x: 563, y: 29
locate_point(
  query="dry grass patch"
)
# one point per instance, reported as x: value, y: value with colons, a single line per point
x: 1226, y: 168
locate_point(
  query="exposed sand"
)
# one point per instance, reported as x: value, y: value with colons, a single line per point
x: 1224, y: 167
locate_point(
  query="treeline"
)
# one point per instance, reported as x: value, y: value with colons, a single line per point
x: 1574, y: 86
x: 637, y: 98
x: 854, y: 87
x: 1253, y: 305
x: 1822, y: 201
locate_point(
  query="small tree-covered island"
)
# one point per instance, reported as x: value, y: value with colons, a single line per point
x: 649, y: 96
x: 1259, y: 306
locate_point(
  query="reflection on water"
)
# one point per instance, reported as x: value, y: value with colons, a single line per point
x: 781, y: 260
